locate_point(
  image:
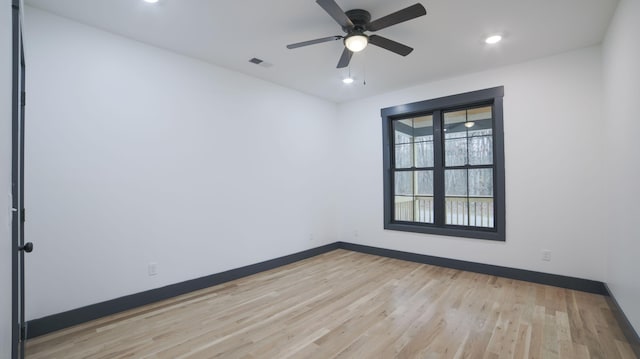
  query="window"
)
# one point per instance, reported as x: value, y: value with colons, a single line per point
x: 444, y: 166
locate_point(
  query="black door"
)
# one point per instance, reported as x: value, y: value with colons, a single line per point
x: 19, y: 247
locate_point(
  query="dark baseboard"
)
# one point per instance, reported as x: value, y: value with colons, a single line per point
x: 585, y: 285
x: 623, y: 321
x: 51, y: 323
x: 41, y: 326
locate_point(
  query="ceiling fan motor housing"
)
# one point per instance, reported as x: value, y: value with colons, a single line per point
x: 360, y: 19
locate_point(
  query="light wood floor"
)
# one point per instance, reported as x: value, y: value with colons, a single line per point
x: 345, y: 304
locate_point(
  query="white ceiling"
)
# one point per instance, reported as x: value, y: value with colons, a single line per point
x: 448, y: 41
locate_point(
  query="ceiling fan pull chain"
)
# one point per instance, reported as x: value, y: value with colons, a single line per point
x: 364, y: 70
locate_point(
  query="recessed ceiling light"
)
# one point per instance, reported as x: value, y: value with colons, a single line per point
x: 151, y: 1
x: 348, y: 80
x: 493, y: 39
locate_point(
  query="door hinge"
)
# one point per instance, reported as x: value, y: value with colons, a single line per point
x: 23, y: 212
x: 23, y: 99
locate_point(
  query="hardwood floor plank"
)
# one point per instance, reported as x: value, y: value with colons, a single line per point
x: 346, y: 304
x: 625, y: 349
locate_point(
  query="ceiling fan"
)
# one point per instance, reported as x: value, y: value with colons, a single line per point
x: 356, y: 22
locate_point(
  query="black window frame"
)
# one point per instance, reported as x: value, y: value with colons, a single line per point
x: 437, y: 107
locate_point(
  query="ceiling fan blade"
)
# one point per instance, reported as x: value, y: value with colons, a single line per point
x: 397, y: 17
x: 313, y: 42
x: 345, y: 58
x: 336, y: 13
x: 390, y: 45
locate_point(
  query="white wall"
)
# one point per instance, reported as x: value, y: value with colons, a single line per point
x: 138, y: 155
x: 554, y: 182
x: 621, y: 56
x: 5, y: 179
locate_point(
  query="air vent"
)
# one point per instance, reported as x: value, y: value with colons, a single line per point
x: 260, y: 62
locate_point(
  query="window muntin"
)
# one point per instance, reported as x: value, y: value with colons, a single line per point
x: 444, y: 166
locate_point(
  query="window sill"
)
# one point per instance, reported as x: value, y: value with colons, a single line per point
x: 447, y: 231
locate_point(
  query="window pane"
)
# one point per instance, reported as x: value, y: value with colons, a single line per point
x: 424, y: 151
x: 455, y: 151
x: 468, y: 137
x: 456, y: 206
x: 403, y: 131
x: 403, y: 210
x: 423, y: 138
x: 423, y: 201
x: 481, y: 182
x: 413, y: 142
x: 455, y: 183
x: 481, y: 148
x: 481, y: 197
x: 404, y: 156
x: 414, y: 196
x: 404, y: 183
x: 424, y: 183
x: 423, y: 209
x: 481, y: 212
x: 469, y: 197
x: 409, y: 128
x: 423, y: 126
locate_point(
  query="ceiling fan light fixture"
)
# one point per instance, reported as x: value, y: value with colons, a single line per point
x: 347, y: 80
x: 356, y: 42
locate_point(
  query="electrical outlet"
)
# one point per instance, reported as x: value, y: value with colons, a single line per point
x: 311, y: 237
x: 152, y: 268
x: 356, y: 233
x: 546, y: 255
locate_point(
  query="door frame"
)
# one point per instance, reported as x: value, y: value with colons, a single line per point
x: 18, y: 332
